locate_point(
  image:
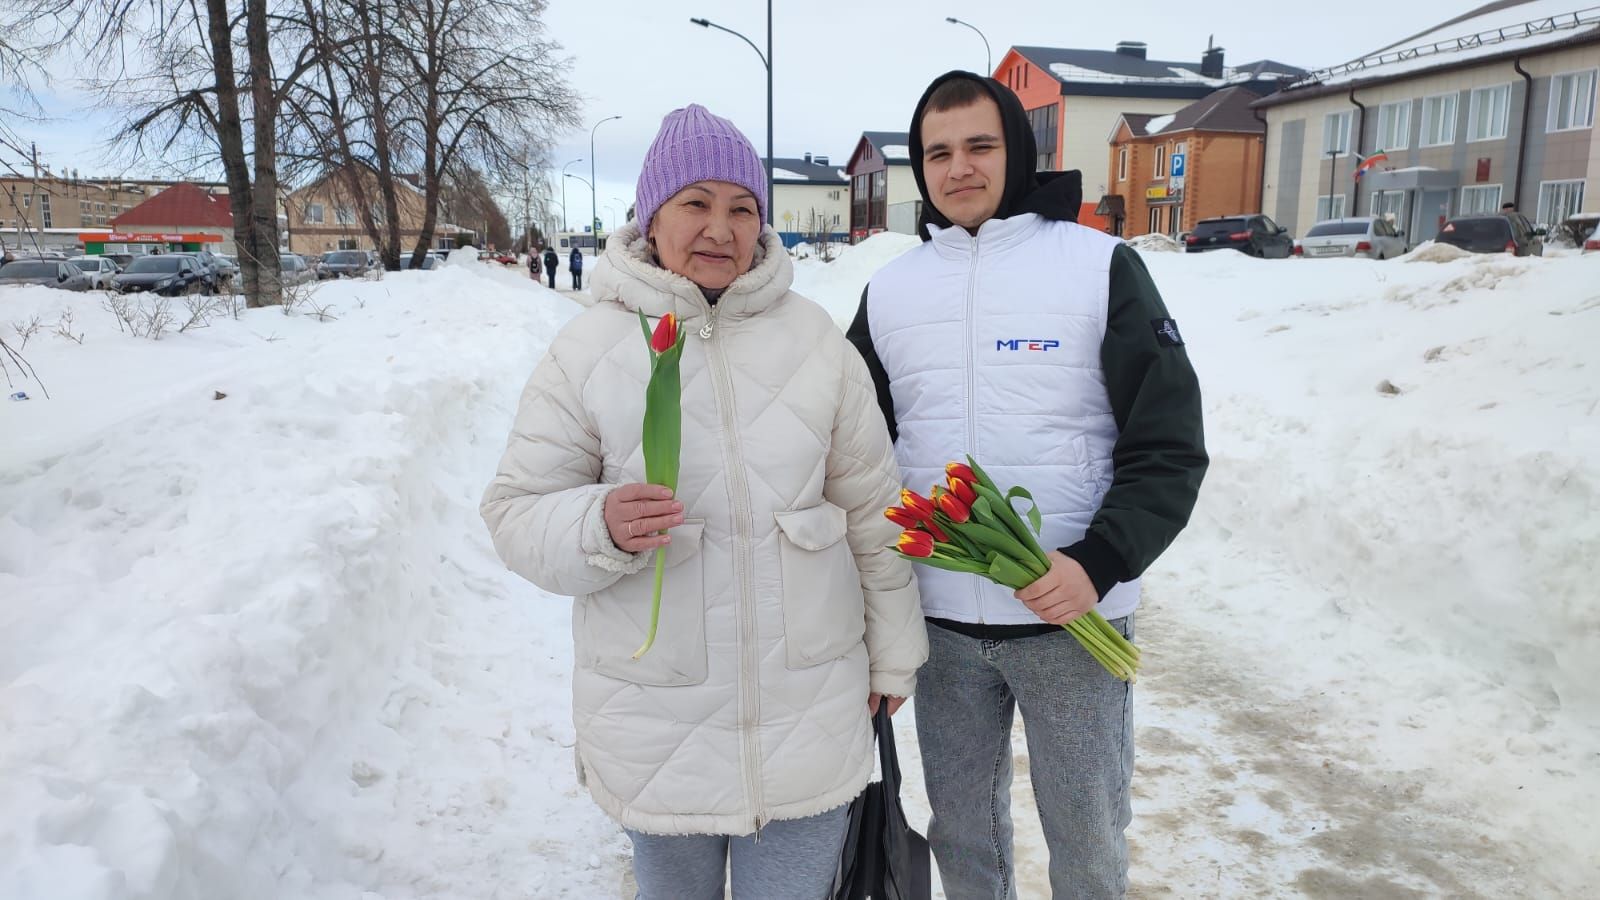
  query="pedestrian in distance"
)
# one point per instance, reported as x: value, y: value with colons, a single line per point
x: 575, y: 266
x: 551, y: 261
x: 1043, y: 349
x: 731, y: 749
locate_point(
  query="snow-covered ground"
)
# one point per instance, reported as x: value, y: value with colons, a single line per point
x: 260, y: 647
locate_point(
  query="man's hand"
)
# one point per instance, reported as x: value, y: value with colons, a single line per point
x: 1061, y: 594
x: 894, y: 703
x: 636, y: 512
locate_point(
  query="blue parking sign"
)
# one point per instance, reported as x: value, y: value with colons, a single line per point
x: 1177, y: 165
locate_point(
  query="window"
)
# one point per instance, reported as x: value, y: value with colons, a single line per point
x: 1571, y: 101
x: 836, y: 216
x: 834, y: 195
x: 878, y: 212
x: 1394, y: 125
x: 1559, y: 200
x: 313, y: 213
x: 1390, y: 205
x: 1486, y: 116
x: 1122, y: 164
x: 44, y: 209
x: 347, y: 243
x: 27, y: 201
x: 344, y: 215
x: 1155, y: 220
x: 1043, y: 123
x: 1324, y: 212
x: 1336, y: 133
x: 1161, y: 161
x: 858, y: 201
x: 1439, y: 120
x: 84, y: 205
x: 1478, y: 199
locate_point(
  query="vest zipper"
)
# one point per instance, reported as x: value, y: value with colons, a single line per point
x: 972, y: 390
x: 743, y: 566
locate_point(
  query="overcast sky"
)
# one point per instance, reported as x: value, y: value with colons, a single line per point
x: 842, y: 68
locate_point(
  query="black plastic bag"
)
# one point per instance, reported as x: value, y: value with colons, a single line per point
x: 883, y: 858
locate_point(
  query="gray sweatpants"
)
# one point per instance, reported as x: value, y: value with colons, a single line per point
x: 1079, y: 723
x: 794, y: 859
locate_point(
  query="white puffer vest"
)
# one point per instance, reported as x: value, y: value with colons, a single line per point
x: 992, y: 347
x: 781, y: 609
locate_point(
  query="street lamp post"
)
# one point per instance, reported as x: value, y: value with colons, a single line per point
x: 988, y: 57
x: 593, y: 216
x: 766, y: 60
x: 564, y: 225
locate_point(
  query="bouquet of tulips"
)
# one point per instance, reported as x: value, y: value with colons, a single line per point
x: 663, y: 432
x: 967, y: 525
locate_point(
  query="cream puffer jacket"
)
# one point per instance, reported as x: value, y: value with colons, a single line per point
x: 782, y: 606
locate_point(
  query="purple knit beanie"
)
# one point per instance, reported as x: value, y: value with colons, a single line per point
x: 694, y: 145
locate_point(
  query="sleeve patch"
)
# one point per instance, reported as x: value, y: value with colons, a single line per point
x: 1166, y: 332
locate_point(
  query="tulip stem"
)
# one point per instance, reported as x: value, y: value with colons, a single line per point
x: 655, y: 604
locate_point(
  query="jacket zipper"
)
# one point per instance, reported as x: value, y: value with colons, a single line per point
x: 743, y: 565
x: 972, y: 389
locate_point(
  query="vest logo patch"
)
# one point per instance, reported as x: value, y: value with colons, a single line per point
x: 1038, y: 345
x: 1166, y: 332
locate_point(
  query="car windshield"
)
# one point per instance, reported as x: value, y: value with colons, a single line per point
x: 1477, y: 230
x: 145, y: 265
x: 345, y: 256
x: 1219, y: 226
x: 1325, y: 229
x: 31, y: 269
x: 292, y: 263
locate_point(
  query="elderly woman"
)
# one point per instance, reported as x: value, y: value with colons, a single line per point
x: 744, y: 731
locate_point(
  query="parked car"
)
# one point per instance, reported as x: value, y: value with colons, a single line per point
x: 295, y: 270
x: 56, y: 273
x: 227, y: 267
x: 1592, y: 244
x: 121, y: 259
x: 344, y: 264
x: 1253, y: 235
x: 1364, y: 236
x: 212, y: 281
x: 1494, y: 233
x: 168, y: 274
x: 505, y: 259
x: 99, y: 270
x: 429, y: 261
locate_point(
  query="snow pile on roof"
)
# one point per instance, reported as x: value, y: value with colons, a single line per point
x: 1070, y: 72
x: 896, y: 151
x: 1500, y: 30
x: 1159, y: 122
x: 1155, y: 243
x: 778, y: 172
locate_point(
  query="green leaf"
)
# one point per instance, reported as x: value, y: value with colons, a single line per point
x: 1008, y: 572
x: 983, y: 477
x: 1034, y: 519
x: 645, y: 324
x: 950, y: 565
x: 998, y: 540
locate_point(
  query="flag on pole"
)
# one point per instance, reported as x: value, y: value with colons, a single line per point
x: 1368, y: 163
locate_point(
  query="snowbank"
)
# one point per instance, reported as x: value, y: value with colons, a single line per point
x: 1155, y: 243
x: 837, y: 285
x: 227, y: 625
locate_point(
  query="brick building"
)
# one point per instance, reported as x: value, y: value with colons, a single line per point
x: 1221, y: 144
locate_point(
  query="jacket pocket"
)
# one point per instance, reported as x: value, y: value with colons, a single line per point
x: 612, y: 623
x: 824, y: 612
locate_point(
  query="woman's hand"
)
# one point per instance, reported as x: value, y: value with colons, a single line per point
x: 634, y: 514
x: 894, y: 703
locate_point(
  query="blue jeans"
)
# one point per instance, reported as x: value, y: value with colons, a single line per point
x: 793, y: 859
x: 1079, y: 723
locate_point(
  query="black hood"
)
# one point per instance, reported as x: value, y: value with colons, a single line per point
x: 1051, y: 195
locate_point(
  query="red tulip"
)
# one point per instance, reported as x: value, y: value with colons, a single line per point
x: 902, y: 517
x: 666, y: 334
x: 918, y: 505
x: 962, y: 489
x: 961, y: 471
x: 952, y: 506
x: 915, y: 543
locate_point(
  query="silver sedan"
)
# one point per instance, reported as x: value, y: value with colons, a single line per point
x: 1364, y: 236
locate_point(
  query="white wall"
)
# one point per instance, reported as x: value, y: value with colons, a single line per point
x: 800, y: 199
x: 1086, y: 139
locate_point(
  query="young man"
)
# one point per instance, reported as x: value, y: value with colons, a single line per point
x: 1043, y: 349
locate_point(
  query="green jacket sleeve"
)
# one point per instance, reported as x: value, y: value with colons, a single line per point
x: 1159, y: 458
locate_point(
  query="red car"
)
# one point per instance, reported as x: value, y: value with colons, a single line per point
x: 504, y: 259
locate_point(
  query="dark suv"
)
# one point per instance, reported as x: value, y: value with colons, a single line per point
x: 1496, y: 233
x: 1253, y: 235
x: 344, y: 264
